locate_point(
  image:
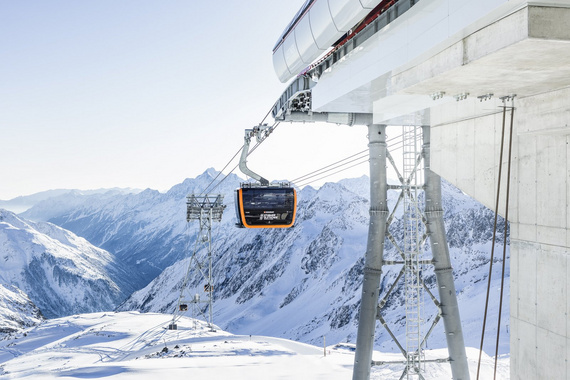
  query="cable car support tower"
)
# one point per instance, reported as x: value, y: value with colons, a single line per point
x: 418, y: 225
x: 205, y: 209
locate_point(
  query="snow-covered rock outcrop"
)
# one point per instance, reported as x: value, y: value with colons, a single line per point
x: 17, y: 311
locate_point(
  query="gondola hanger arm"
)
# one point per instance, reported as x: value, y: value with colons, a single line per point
x: 260, y: 132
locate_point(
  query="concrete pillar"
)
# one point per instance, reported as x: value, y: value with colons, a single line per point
x: 442, y: 266
x: 374, y: 252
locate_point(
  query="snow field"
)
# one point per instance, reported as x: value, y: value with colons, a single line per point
x: 131, y: 345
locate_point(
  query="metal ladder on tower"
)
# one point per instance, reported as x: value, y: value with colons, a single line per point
x: 412, y: 247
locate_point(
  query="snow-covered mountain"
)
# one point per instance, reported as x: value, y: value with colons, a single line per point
x: 146, y: 231
x: 61, y: 273
x: 23, y: 203
x: 299, y: 283
x: 17, y: 311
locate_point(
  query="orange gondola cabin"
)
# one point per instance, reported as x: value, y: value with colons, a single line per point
x: 272, y: 206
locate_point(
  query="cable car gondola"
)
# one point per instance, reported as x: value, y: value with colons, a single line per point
x: 261, y: 205
x: 265, y: 206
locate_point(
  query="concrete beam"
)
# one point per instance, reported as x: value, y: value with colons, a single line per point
x: 520, y: 54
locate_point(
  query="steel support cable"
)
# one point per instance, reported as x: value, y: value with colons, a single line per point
x: 235, y: 167
x: 275, y: 125
x: 331, y: 174
x: 493, y: 242
x: 221, y: 171
x: 509, y: 159
x: 218, y: 184
x: 323, y: 169
x: 306, y: 177
x: 301, y: 178
x: 399, y: 138
x: 267, y: 114
x: 338, y: 171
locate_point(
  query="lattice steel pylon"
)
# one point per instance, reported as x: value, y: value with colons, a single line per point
x: 417, y: 226
x: 205, y: 209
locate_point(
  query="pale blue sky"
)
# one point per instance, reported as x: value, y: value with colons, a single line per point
x: 100, y: 93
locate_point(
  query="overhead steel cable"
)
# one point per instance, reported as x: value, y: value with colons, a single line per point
x: 273, y: 128
x: 338, y: 171
x: 267, y: 114
x: 221, y: 171
x: 222, y: 180
x: 305, y: 177
x: 234, y: 156
x: 333, y: 168
x: 321, y: 170
x: 302, y: 179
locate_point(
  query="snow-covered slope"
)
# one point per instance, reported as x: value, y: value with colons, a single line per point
x: 137, y: 346
x: 17, y: 311
x: 61, y: 273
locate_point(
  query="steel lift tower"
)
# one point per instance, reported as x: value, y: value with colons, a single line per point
x: 418, y: 226
x: 205, y: 209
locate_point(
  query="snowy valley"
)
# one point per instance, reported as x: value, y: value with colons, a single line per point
x: 59, y: 271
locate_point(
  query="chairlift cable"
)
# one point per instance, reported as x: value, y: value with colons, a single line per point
x: 267, y: 114
x: 218, y: 184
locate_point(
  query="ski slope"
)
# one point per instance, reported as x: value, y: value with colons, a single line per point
x: 131, y: 345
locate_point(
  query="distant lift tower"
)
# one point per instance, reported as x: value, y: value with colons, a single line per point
x: 417, y: 226
x: 205, y: 209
